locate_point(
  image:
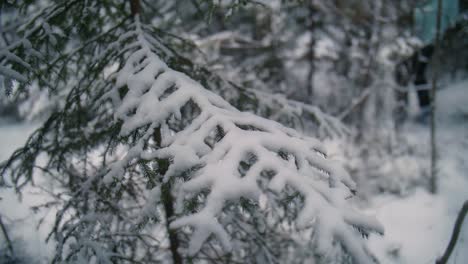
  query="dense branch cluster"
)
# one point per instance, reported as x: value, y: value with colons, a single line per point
x: 216, y: 142
x: 146, y: 162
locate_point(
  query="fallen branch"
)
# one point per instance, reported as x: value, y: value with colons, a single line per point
x: 456, y: 233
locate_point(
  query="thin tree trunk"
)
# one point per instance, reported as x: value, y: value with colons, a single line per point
x: 168, y: 204
x: 370, y: 122
x: 310, y: 76
x: 433, y: 179
x: 166, y: 196
x: 135, y: 7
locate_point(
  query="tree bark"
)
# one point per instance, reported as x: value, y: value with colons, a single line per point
x: 310, y: 75
x: 433, y: 179
x: 135, y: 7
x: 163, y: 166
x: 168, y: 203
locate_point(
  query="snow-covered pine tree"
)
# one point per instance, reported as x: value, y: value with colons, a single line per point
x: 147, y: 165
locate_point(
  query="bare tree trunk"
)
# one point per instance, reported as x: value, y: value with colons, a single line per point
x: 433, y: 179
x: 310, y: 75
x: 369, y: 125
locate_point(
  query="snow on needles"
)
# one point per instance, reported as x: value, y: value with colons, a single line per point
x: 216, y: 140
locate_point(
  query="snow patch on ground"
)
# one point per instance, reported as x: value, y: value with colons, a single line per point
x: 417, y: 229
x: 13, y: 135
x: 419, y: 226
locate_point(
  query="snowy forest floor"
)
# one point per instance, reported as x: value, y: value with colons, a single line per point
x: 417, y: 225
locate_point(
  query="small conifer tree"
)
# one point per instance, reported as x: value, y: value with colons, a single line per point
x: 148, y: 165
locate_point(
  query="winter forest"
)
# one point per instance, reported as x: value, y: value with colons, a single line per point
x: 234, y: 131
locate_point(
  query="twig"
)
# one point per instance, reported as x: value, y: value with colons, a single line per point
x: 7, y: 238
x: 355, y: 103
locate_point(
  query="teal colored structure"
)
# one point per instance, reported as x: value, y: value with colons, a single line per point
x: 425, y: 18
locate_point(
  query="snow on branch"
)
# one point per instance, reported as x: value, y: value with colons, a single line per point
x: 289, y: 112
x: 14, y: 57
x: 326, y: 125
x: 152, y: 97
x: 6, y: 59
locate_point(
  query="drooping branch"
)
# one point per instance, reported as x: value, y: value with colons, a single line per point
x: 217, y: 140
x: 149, y: 99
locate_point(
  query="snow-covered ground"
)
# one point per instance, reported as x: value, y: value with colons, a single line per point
x: 417, y: 226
